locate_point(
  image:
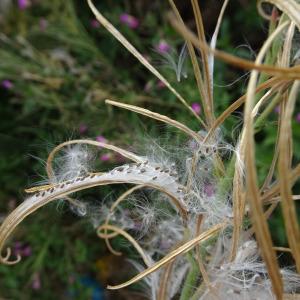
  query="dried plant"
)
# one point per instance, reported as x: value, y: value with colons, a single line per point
x: 191, y: 228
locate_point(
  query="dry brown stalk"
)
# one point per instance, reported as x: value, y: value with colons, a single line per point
x: 172, y: 255
x: 284, y: 167
x: 287, y: 73
x: 252, y: 192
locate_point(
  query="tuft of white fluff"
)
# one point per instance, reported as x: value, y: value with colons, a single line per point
x: 74, y: 161
x: 246, y: 277
x: 176, y: 62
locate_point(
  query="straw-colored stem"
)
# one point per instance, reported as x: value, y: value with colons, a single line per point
x: 284, y: 168
x: 287, y: 73
x: 158, y: 117
x: 196, y: 68
x: 129, y: 238
x: 171, y: 256
x: 290, y: 8
x: 111, y: 211
x: 252, y: 192
x: 139, y: 56
x: 204, y: 55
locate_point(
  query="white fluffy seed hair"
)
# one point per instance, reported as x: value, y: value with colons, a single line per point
x: 246, y: 277
x: 151, y: 283
x: 74, y: 160
x: 176, y: 61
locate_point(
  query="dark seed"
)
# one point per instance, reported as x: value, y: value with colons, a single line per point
x: 62, y: 185
x: 43, y: 194
x: 51, y: 190
x: 154, y: 178
x: 143, y: 171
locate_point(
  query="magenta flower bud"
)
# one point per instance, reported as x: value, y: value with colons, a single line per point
x: 23, y: 4
x: 83, y: 128
x: 119, y: 158
x: 298, y: 118
x: 36, y: 281
x: 160, y: 84
x: 196, y: 108
x: 43, y: 24
x: 105, y: 157
x: 131, y: 21
x: 18, y: 246
x: 163, y: 47
x: 94, y: 23
x: 101, y: 139
x: 26, y: 251
x: 7, y: 84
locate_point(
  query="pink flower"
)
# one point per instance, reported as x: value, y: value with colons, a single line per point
x: 23, y: 4
x: 36, y: 281
x: 298, y: 118
x: 131, y: 21
x: 83, y: 128
x: 101, y: 139
x: 105, y: 157
x: 22, y: 249
x: 43, y: 24
x: 27, y: 251
x: 119, y: 158
x: 196, y: 108
x: 160, y: 84
x: 7, y: 84
x: 94, y: 23
x: 163, y: 47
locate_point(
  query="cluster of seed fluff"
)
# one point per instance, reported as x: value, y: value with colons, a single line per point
x: 245, y: 277
x: 151, y: 217
x: 175, y: 61
x: 74, y: 160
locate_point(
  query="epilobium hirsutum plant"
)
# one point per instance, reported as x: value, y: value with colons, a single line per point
x: 200, y: 228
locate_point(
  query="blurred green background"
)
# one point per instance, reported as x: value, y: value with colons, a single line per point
x: 57, y: 66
